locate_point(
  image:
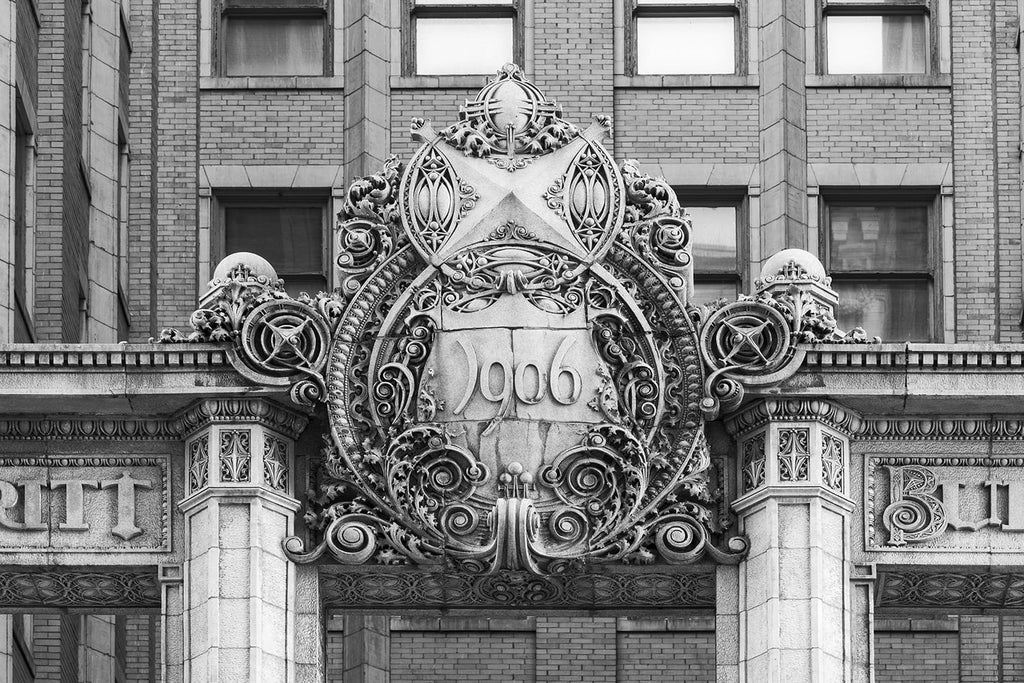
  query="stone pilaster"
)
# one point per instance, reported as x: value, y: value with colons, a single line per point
x: 239, y: 588
x: 367, y: 46
x: 783, y: 126
x: 794, y: 586
x: 8, y: 60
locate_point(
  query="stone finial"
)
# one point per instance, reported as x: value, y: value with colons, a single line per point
x: 792, y: 270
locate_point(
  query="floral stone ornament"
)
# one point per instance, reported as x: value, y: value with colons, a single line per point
x: 512, y: 378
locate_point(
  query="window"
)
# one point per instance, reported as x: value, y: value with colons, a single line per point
x: 288, y: 231
x: 880, y: 256
x: 273, y: 38
x: 715, y: 246
x: 485, y: 34
x: 684, y: 36
x: 876, y: 39
x: 123, y: 176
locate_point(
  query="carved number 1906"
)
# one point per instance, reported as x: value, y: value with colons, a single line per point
x: 561, y: 381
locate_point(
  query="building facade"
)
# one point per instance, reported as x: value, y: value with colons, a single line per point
x: 862, y: 497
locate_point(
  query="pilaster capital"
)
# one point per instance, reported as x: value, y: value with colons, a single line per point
x: 837, y: 417
x: 240, y: 444
x: 793, y: 444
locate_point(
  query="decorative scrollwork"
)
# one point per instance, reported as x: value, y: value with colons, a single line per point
x: 510, y: 116
x: 518, y: 589
x: 474, y: 279
x: 635, y: 379
x: 742, y: 342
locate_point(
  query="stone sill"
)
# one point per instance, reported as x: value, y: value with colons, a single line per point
x: 688, y: 81
x: 459, y: 82
x: 271, y: 83
x: 881, y: 81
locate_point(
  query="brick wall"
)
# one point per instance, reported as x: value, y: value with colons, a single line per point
x: 1008, y: 171
x: 55, y: 647
x: 916, y: 657
x: 141, y: 632
x: 674, y: 126
x: 440, y: 107
x: 666, y: 657
x: 573, y: 56
x: 969, y: 648
x: 143, y: 192
x: 271, y: 127
x: 465, y: 656
x: 973, y: 171
x: 545, y: 649
x: 878, y: 125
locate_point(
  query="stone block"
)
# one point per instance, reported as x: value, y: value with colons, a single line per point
x: 233, y: 573
x: 794, y: 623
x: 830, y: 629
x: 794, y: 526
x: 234, y: 528
x: 233, y: 615
x: 794, y: 574
x: 233, y: 665
x: 761, y: 579
x: 272, y: 626
x: 796, y: 664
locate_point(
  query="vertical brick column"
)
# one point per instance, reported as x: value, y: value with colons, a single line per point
x: 980, y: 640
x: 239, y: 588
x: 795, y: 602
x: 783, y: 126
x: 367, y: 48
x: 176, y: 193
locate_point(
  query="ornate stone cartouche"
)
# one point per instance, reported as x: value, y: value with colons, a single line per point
x: 512, y: 377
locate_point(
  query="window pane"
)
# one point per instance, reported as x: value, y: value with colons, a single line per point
x: 706, y: 292
x: 896, y: 311
x: 879, y: 238
x: 685, y: 45
x: 463, y: 45
x: 713, y: 238
x: 290, y: 237
x: 428, y: 3
x: 274, y: 46
x: 886, y: 44
x: 641, y: 3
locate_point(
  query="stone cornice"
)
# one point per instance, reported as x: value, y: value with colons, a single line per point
x: 113, y: 356
x: 795, y: 410
x: 912, y: 356
x: 76, y: 427
x: 242, y: 410
x: 120, y: 427
x: 942, y: 429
